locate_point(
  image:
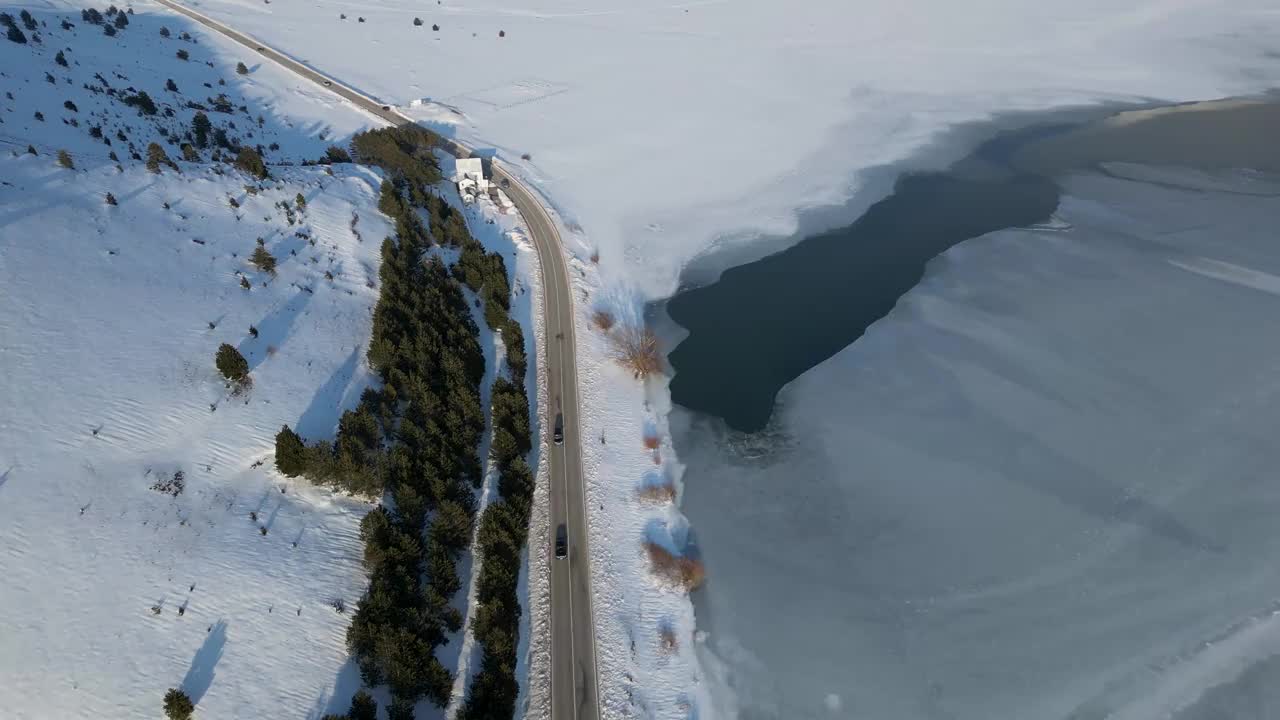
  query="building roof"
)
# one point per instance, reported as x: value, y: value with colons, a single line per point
x: 470, y: 166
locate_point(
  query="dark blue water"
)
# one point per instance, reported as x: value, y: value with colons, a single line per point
x: 764, y: 324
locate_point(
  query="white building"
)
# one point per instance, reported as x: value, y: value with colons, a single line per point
x: 469, y: 175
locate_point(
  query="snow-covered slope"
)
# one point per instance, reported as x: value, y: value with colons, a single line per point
x: 110, y: 322
x: 118, y: 586
x: 100, y: 71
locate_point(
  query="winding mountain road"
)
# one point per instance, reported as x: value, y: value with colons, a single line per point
x: 574, y: 681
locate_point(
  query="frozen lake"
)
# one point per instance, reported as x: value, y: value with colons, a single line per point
x: 1043, y: 486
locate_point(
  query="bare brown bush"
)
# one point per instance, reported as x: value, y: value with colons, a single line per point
x: 652, y: 442
x: 660, y: 493
x: 667, y: 639
x: 637, y: 349
x: 686, y: 572
x: 603, y: 319
x: 595, y: 257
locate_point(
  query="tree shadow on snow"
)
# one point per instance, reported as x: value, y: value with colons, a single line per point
x: 273, y: 329
x: 338, y: 700
x: 200, y: 675
x: 320, y: 419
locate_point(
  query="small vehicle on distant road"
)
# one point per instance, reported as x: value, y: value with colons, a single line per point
x: 262, y: 49
x: 327, y: 83
x: 562, y: 542
x: 386, y: 107
x: 558, y: 435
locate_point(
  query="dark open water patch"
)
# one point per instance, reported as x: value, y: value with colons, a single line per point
x: 764, y: 324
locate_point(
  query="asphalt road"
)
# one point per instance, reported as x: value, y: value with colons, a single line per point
x: 574, y: 682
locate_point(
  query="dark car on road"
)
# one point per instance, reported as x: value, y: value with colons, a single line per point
x: 562, y: 541
x: 558, y: 435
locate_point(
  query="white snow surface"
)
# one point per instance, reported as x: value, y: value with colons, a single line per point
x: 663, y: 126
x: 110, y: 386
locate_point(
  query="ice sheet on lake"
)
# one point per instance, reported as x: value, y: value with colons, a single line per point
x: 1043, y: 487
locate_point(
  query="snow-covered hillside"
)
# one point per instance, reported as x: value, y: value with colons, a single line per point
x: 96, y: 73
x: 146, y: 540
x: 111, y: 319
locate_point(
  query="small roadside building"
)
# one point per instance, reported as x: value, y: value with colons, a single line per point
x: 469, y: 175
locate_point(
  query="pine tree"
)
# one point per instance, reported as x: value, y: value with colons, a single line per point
x: 363, y: 707
x: 250, y: 161
x: 122, y: 21
x: 183, y: 54
x: 200, y: 127
x: 400, y: 709
x: 301, y: 201
x: 157, y: 157
x: 263, y: 260
x: 164, y: 31
x: 15, y: 35
x: 178, y: 705
x: 60, y: 59
x: 241, y: 69
x: 65, y: 160
x: 142, y: 100
x: 291, y: 453
x: 111, y: 199
x: 231, y: 363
